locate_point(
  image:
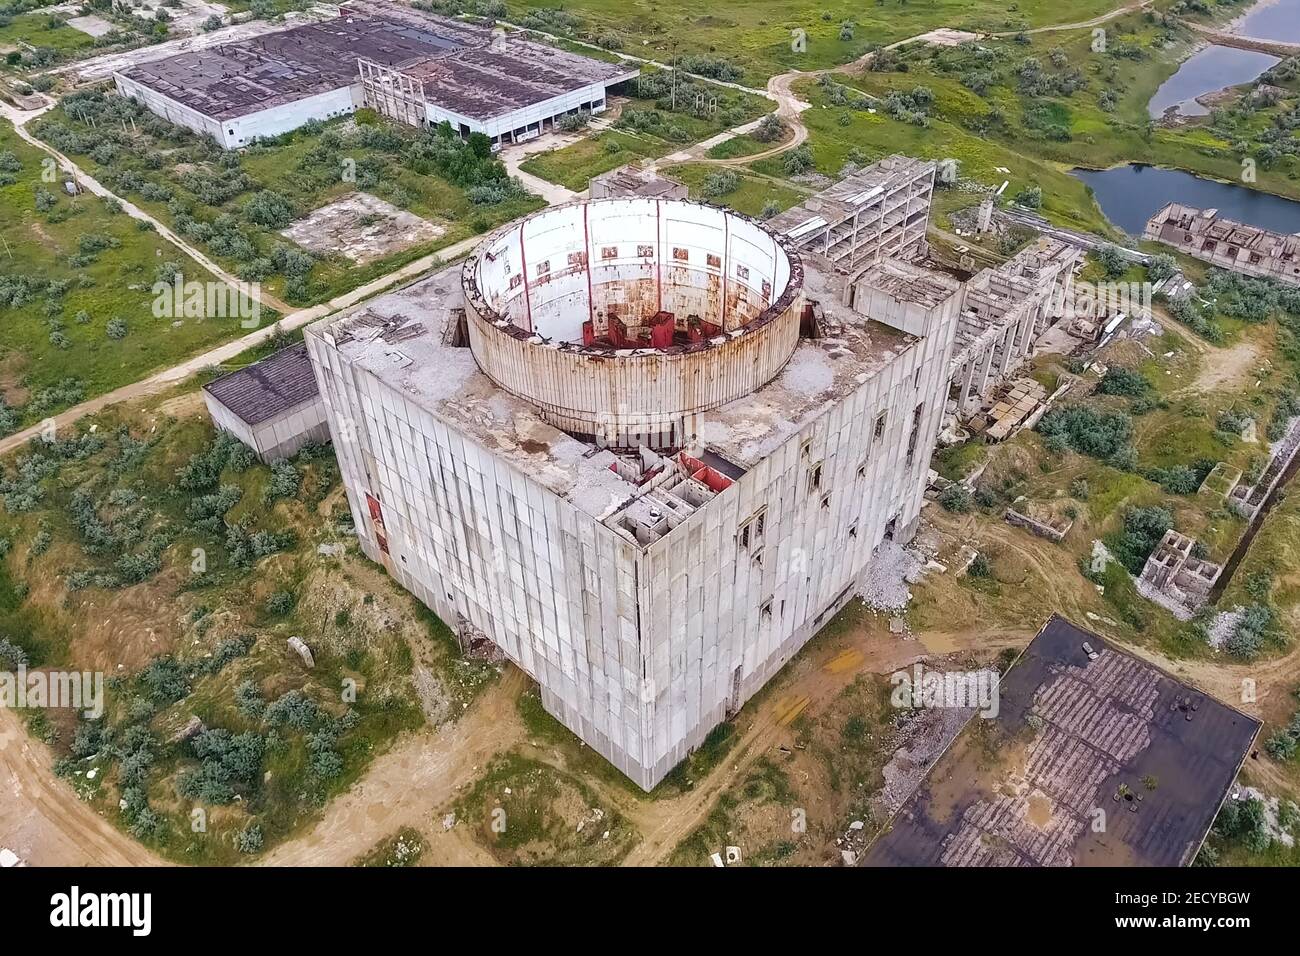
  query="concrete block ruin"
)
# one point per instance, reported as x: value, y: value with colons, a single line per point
x: 1007, y: 309
x: 1245, y: 499
x: 647, y: 448
x: 1043, y: 525
x: 632, y: 180
x: 1176, y: 580
x: 1220, y: 482
x: 1232, y: 245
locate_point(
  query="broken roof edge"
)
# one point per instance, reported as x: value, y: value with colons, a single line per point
x: 1111, y: 644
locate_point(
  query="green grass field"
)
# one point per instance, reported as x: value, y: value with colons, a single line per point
x: 179, y: 177
x: 44, y: 30
x: 750, y: 196
x: 50, y: 338
x: 573, y: 166
x: 758, y: 36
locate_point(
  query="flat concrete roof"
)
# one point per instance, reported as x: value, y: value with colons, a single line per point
x: 402, y: 338
x: 463, y: 68
x: 1075, y: 735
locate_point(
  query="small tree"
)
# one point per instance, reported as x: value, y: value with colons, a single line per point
x: 1161, y: 266
x: 1111, y: 260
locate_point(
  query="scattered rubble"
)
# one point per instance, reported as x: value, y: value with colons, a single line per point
x: 1223, y: 626
x: 884, y: 583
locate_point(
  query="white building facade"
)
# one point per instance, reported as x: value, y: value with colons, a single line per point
x: 649, y: 591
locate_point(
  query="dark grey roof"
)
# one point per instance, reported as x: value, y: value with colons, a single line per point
x: 1074, y: 736
x: 265, y: 389
x: 454, y: 60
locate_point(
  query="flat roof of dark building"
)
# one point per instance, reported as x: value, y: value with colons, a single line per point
x: 267, y: 388
x: 1074, y: 736
x: 463, y: 68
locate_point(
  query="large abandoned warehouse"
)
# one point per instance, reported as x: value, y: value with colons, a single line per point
x: 412, y: 67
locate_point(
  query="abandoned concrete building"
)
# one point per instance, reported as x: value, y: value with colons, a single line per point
x: 413, y: 67
x: 646, y: 448
x: 1232, y: 245
x: 1007, y: 309
x: 633, y: 180
x: 880, y: 211
x: 1175, y: 578
x: 1085, y: 734
x: 883, y: 211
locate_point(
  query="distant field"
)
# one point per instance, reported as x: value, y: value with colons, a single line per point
x: 43, y: 30
x: 207, y: 194
x: 750, y: 196
x: 50, y: 338
x: 574, y: 166
x: 756, y: 36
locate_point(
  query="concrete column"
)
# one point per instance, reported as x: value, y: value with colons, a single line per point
x: 1028, y: 330
x: 1005, y: 362
x: 984, y: 372
x: 966, y: 383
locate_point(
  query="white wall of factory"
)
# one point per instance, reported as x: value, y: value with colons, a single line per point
x: 528, y: 121
x: 641, y: 652
x: 267, y: 123
x: 242, y: 130
x: 277, y: 437
x: 168, y: 108
x: 475, y: 539
x: 718, y: 619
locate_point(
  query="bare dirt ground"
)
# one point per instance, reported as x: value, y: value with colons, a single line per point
x: 406, y: 785
x: 42, y: 820
x: 361, y: 227
x: 1228, y: 369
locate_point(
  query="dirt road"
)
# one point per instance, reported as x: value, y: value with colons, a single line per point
x: 42, y: 820
x: 407, y: 784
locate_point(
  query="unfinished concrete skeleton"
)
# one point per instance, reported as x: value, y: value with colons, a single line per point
x: 1007, y: 309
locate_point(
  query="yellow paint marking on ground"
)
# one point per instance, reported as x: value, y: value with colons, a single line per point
x: 788, y: 708
x: 846, y: 660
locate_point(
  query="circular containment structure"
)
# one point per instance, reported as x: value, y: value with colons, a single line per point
x: 620, y: 319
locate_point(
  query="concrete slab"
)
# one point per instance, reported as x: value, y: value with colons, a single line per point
x: 91, y: 25
x: 362, y: 228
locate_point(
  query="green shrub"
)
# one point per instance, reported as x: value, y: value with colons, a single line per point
x: 955, y: 498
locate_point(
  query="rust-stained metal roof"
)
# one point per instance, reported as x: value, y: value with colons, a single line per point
x: 1101, y: 760
x: 463, y: 67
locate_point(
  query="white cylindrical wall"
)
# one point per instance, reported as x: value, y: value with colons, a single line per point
x: 534, y: 285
